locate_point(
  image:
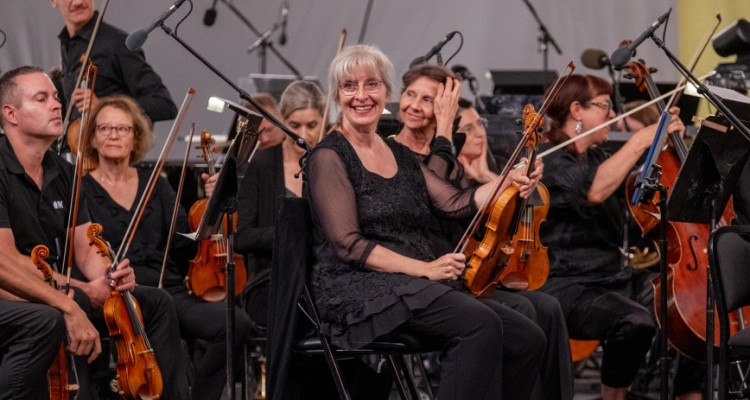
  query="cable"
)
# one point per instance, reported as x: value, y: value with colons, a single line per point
x: 460, y: 45
x: 190, y: 11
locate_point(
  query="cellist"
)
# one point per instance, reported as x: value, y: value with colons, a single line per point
x: 601, y: 299
x: 34, y: 318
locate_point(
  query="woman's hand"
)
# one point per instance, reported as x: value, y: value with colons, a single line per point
x: 446, y: 107
x: 449, y: 266
x: 526, y: 184
x: 209, y: 182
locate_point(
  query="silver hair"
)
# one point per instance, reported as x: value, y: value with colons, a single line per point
x: 368, y: 57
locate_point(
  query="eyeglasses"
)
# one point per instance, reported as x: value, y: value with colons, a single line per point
x: 370, y: 86
x: 107, y: 129
x: 604, y: 105
x: 474, y: 126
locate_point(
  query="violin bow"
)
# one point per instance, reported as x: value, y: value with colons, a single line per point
x: 617, y: 118
x: 513, y: 159
x: 329, y: 97
x: 84, y: 61
x: 83, y: 138
x: 130, y: 232
x: 176, y: 209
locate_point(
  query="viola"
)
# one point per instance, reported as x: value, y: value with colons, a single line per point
x: 138, y: 375
x: 206, y: 277
x: 528, y: 264
x: 488, y: 259
x: 687, y: 256
x: 57, y: 375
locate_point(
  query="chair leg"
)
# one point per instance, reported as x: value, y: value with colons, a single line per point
x: 423, y: 373
x: 335, y: 370
x: 404, y: 377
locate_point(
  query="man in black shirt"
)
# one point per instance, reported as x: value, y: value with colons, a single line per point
x: 35, y: 187
x: 33, y: 316
x: 119, y: 70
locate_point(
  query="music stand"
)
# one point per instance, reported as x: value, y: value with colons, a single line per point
x: 706, y: 180
x: 223, y: 201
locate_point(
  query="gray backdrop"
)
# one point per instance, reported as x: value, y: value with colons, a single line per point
x: 499, y: 34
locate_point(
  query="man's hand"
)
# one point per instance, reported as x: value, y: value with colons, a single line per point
x: 84, y: 339
x: 124, y: 277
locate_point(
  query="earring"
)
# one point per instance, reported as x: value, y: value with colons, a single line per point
x: 579, y: 126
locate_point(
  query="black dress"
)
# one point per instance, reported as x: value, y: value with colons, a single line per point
x: 485, y: 353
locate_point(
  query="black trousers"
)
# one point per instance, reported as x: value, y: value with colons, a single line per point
x: 207, y: 320
x: 556, y: 381
x: 489, y: 350
x: 162, y: 329
x: 30, y: 337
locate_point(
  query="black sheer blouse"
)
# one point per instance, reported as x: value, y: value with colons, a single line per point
x: 355, y: 210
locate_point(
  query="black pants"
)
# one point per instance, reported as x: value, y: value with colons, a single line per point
x: 30, y: 337
x: 207, y: 320
x: 489, y: 350
x: 556, y: 368
x: 162, y: 329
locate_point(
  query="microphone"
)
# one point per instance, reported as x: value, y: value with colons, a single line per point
x: 595, y: 59
x: 135, y: 40
x: 434, y: 50
x: 284, y: 15
x: 210, y: 16
x: 463, y: 73
x: 621, y: 56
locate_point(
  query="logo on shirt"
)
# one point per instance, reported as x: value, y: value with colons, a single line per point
x: 58, y: 205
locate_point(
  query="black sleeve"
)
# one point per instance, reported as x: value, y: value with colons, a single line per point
x: 251, y: 237
x: 144, y: 84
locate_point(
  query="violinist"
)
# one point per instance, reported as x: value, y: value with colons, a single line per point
x: 120, y: 70
x: 270, y: 174
x: 601, y: 299
x: 375, y: 273
x: 34, y: 318
x: 120, y: 135
x: 429, y: 104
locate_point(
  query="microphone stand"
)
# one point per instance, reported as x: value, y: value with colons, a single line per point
x: 619, y: 100
x: 740, y: 127
x: 230, y: 205
x: 544, y: 39
x: 264, y: 42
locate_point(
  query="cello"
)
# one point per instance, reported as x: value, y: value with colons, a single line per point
x: 206, y: 277
x: 57, y: 375
x: 687, y: 258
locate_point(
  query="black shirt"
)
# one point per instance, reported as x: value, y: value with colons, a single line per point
x: 36, y: 216
x: 583, y: 239
x: 119, y: 70
x: 146, y: 251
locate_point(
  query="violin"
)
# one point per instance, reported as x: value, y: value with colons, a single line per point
x: 206, y: 277
x: 138, y: 375
x: 528, y: 264
x: 488, y: 259
x: 687, y: 258
x: 57, y: 375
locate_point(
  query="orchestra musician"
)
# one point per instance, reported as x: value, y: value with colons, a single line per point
x: 120, y: 70
x: 271, y: 174
x: 429, y: 104
x: 601, y: 299
x: 34, y: 318
x: 375, y: 274
x: 120, y: 135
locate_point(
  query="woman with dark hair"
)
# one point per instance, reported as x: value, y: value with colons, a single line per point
x: 429, y: 104
x: 601, y: 299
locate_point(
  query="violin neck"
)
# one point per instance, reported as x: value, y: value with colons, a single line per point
x: 135, y: 320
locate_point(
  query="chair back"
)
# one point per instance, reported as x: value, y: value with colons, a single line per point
x: 292, y: 253
x: 729, y: 253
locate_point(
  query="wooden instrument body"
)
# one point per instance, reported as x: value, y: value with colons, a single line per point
x: 528, y: 264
